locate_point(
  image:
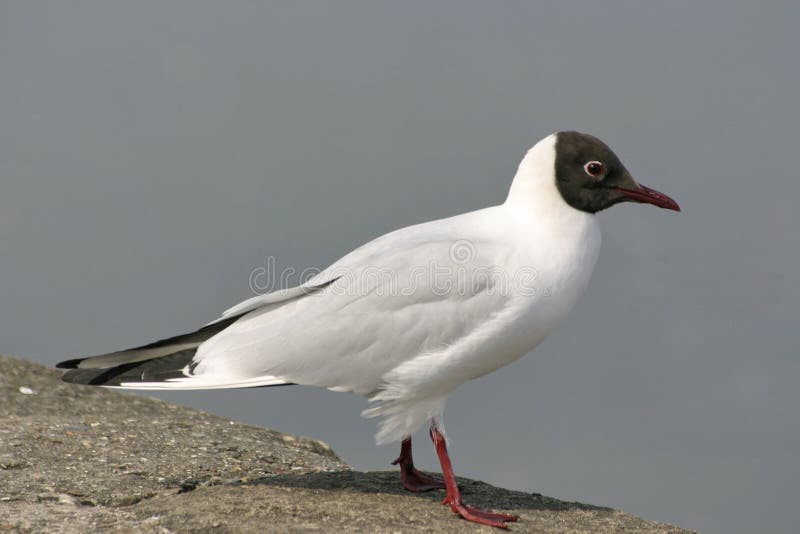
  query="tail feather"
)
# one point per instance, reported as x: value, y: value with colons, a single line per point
x: 164, y: 364
x: 157, y: 349
x: 154, y: 370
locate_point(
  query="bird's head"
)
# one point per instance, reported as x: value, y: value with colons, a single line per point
x: 580, y: 170
x: 590, y: 177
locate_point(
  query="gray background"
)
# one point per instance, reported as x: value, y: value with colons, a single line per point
x: 152, y: 154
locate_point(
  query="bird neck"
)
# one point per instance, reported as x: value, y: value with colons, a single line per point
x: 534, y: 194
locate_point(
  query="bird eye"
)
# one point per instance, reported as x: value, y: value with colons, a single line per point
x: 595, y: 169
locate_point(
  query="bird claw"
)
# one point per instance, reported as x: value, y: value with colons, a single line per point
x: 417, y: 481
x: 482, y: 517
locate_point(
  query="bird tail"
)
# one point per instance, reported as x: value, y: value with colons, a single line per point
x: 164, y: 364
x: 156, y: 369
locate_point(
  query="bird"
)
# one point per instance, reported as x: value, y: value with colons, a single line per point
x: 410, y: 316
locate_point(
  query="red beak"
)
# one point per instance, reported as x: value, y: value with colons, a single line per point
x: 649, y: 196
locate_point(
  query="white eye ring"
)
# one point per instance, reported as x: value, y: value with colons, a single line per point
x: 595, y: 169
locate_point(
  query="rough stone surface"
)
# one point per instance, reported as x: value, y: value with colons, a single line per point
x: 83, y: 459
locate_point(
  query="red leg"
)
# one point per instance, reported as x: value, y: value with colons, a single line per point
x: 410, y: 478
x: 453, y: 497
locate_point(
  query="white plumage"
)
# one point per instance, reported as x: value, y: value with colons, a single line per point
x: 380, y: 324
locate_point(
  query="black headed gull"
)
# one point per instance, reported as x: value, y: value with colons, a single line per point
x: 410, y: 316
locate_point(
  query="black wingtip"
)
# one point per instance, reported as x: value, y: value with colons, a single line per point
x: 78, y: 376
x: 70, y: 364
x: 99, y: 377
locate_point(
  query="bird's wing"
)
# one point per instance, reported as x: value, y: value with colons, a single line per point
x: 363, y: 255
x: 409, y: 293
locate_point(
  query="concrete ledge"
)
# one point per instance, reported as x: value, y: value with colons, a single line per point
x: 82, y: 459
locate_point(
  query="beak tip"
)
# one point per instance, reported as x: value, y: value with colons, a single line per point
x: 646, y: 195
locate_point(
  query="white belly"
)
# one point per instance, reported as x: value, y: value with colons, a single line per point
x: 416, y: 390
x: 561, y: 278
x: 539, y: 302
